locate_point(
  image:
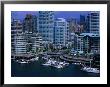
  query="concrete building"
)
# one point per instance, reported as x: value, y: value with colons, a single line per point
x: 20, y: 44
x: 27, y: 43
x: 93, y: 23
x: 74, y: 27
x: 30, y: 24
x: 23, y: 42
x: 73, y: 41
x: 16, y: 28
x: 72, y: 22
x: 88, y: 43
x: 33, y: 42
x: 60, y: 32
x: 79, y: 42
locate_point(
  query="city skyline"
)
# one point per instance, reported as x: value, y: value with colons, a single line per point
x: 56, y: 40
x: 58, y: 14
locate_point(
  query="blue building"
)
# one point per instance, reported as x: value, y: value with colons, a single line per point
x: 83, y: 22
x: 60, y: 32
x: 46, y: 25
x: 93, y: 22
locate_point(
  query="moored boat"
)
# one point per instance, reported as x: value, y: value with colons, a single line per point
x: 89, y: 69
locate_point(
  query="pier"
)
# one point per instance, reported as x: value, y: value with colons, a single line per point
x: 22, y: 56
x: 76, y: 60
x: 70, y: 58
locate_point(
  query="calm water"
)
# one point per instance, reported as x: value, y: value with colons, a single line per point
x: 35, y: 69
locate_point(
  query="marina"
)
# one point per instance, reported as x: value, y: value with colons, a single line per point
x: 54, y: 62
x: 36, y: 69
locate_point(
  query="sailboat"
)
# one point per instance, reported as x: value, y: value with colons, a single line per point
x: 90, y: 69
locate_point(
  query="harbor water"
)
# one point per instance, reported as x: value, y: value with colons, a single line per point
x: 36, y: 69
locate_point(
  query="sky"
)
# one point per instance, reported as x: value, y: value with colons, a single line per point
x: 58, y: 14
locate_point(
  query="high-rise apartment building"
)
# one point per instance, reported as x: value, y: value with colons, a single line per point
x: 24, y: 36
x: 93, y: 22
x: 30, y: 24
x: 74, y: 27
x: 20, y: 44
x: 72, y: 22
x: 16, y: 28
x: 46, y: 25
x: 83, y: 23
x: 60, y: 32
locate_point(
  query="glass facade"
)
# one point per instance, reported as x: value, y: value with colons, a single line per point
x: 60, y: 32
x: 46, y: 25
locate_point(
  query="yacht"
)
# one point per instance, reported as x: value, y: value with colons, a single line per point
x: 77, y: 63
x: 36, y: 58
x: 89, y: 69
x: 46, y: 64
x: 22, y: 61
x: 55, y: 63
x: 58, y: 66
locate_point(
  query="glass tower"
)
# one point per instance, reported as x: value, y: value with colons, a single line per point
x: 46, y: 25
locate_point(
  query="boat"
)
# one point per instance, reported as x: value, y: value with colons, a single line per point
x: 22, y: 62
x: 36, y: 58
x: 58, y: 66
x: 46, y: 64
x: 64, y: 63
x: 89, y: 69
x: 77, y: 63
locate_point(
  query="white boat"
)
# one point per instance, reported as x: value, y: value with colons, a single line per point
x: 55, y: 63
x: 62, y: 63
x: 22, y: 62
x: 47, y: 64
x: 59, y: 66
x: 77, y: 63
x: 36, y: 58
x: 89, y: 69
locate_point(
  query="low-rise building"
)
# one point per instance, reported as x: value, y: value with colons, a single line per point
x: 88, y: 43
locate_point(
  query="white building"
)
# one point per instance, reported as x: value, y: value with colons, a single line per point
x: 88, y: 43
x: 93, y: 22
x: 60, y: 32
x: 20, y: 44
x: 16, y: 28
